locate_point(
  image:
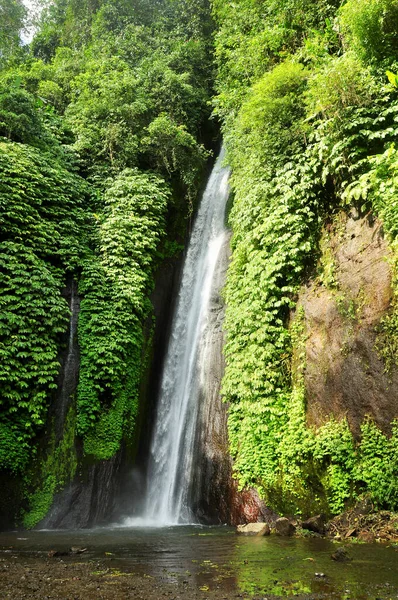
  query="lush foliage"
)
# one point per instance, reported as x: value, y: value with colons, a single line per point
x: 369, y: 27
x: 115, y: 286
x: 12, y: 16
x: 309, y: 122
x: 103, y: 121
x: 42, y: 221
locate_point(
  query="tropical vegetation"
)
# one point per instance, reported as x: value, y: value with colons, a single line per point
x: 107, y: 121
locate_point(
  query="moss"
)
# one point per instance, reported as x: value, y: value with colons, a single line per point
x: 53, y: 473
x: 387, y: 339
x: 327, y: 264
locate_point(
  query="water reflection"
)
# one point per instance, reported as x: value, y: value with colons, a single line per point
x: 288, y: 567
x: 216, y: 558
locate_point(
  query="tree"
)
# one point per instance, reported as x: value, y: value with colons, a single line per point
x: 12, y: 16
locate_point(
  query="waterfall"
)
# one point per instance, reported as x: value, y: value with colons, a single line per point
x: 171, y: 461
x: 71, y: 364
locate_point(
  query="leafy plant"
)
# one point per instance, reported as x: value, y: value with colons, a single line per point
x: 303, y: 141
x: 115, y: 285
x: 42, y: 223
x: 369, y: 28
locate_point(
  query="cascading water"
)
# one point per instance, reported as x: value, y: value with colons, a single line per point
x: 170, y: 470
x: 71, y: 365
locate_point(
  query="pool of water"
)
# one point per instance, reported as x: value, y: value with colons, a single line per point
x: 218, y: 558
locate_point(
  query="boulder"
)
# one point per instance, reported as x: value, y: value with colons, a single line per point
x: 341, y: 555
x: 258, y: 529
x: 315, y: 524
x: 284, y: 527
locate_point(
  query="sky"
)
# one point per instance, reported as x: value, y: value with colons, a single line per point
x: 28, y: 3
x: 28, y: 33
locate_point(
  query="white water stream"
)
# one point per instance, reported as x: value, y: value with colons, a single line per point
x: 170, y: 470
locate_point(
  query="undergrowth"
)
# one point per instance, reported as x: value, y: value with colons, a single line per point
x: 310, y: 130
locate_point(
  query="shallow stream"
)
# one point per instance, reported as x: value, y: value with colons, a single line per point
x: 216, y: 558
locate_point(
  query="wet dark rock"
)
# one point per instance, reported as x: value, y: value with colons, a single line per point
x: 69, y: 373
x: 213, y: 484
x: 215, y: 497
x: 315, y: 524
x: 341, y: 555
x: 88, y: 499
x: 284, y: 527
x: 259, y: 529
x: 247, y: 507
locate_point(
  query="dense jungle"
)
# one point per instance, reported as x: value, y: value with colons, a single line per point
x: 111, y: 116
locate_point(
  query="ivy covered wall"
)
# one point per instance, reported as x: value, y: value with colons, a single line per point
x: 310, y: 123
x: 104, y: 119
x: 105, y: 132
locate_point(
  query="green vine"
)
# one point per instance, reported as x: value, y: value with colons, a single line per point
x: 300, y: 139
x: 42, y: 221
x: 115, y: 285
x: 50, y: 474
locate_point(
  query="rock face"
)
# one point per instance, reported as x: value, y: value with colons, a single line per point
x: 259, y: 529
x: 247, y: 507
x: 69, y: 373
x: 315, y: 524
x: 345, y: 375
x: 284, y: 527
x: 85, y: 503
x: 216, y: 498
x: 212, y: 485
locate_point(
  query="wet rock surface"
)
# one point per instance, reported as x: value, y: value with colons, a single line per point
x: 213, y: 485
x: 216, y: 498
x: 345, y: 375
x: 87, y: 500
x: 315, y: 524
x: 247, y: 507
x: 259, y: 529
x: 284, y: 527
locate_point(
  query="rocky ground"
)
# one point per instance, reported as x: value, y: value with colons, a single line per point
x: 365, y: 526
x: 39, y: 578
x: 54, y: 579
x: 76, y: 575
x: 360, y: 523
